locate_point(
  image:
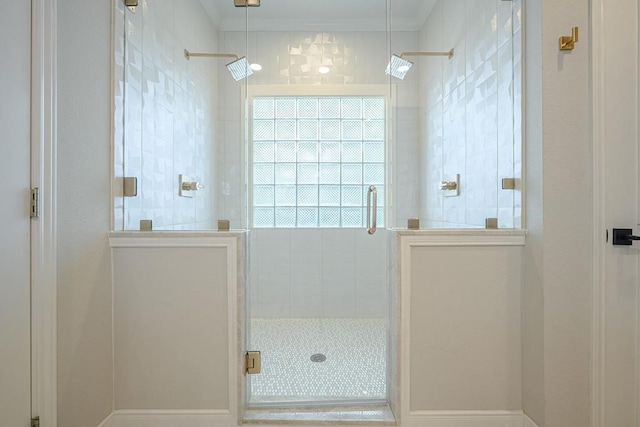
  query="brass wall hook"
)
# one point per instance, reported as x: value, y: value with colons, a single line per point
x: 568, y: 42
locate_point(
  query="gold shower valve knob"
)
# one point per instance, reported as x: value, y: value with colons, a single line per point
x: 448, y: 185
x: 191, y: 186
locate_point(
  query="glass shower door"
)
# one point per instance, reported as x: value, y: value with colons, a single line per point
x: 318, y: 278
x: 318, y: 139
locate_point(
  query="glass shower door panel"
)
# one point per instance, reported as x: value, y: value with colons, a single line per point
x: 456, y: 115
x: 168, y: 130
x: 119, y: 112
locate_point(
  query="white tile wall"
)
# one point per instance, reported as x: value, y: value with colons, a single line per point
x: 371, y: 266
x: 470, y: 112
x: 165, y: 124
x: 318, y: 273
x: 305, y: 273
x: 405, y: 137
x: 230, y: 192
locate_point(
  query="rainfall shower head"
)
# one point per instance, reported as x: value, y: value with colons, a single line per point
x: 239, y: 68
x: 398, y: 66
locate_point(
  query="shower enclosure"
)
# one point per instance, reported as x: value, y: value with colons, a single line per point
x: 319, y: 127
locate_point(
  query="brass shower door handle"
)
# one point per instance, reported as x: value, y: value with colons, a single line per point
x: 372, y: 218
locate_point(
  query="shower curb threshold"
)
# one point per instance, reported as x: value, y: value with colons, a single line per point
x: 379, y: 415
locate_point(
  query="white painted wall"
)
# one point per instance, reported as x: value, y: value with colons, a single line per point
x: 170, y: 328
x: 465, y: 334
x: 15, y: 266
x: 470, y: 113
x: 85, y: 364
x: 175, y: 334
x: 533, y: 326
x: 165, y: 120
x: 557, y: 291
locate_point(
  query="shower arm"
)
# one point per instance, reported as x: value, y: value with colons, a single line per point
x: 188, y: 55
x: 448, y: 54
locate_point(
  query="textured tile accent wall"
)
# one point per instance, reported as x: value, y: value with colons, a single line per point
x: 470, y: 112
x: 165, y: 114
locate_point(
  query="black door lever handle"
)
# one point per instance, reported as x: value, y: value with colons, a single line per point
x: 623, y: 236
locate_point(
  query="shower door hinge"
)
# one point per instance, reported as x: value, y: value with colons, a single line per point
x: 131, y: 4
x: 252, y: 362
x: 245, y: 3
x: 130, y: 186
x: 34, y: 209
x: 35, y: 422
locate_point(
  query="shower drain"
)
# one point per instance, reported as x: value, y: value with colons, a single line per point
x: 318, y: 357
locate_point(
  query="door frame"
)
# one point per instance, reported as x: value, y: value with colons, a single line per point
x: 603, y: 45
x: 43, y: 229
x: 598, y: 317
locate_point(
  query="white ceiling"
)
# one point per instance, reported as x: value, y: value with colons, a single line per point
x: 319, y: 15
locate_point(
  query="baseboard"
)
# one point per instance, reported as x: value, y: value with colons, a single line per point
x: 528, y: 422
x: 463, y: 419
x: 175, y: 418
x: 144, y: 418
x: 107, y: 421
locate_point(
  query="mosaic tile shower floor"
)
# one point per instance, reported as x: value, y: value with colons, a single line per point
x: 354, y: 368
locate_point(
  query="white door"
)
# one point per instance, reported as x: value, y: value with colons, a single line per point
x: 616, y: 150
x: 15, y: 313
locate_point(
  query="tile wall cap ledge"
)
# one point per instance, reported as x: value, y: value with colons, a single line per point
x: 461, y: 232
x: 164, y: 234
x: 175, y: 239
x: 461, y: 237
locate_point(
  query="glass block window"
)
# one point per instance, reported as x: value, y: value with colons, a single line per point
x: 314, y: 158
